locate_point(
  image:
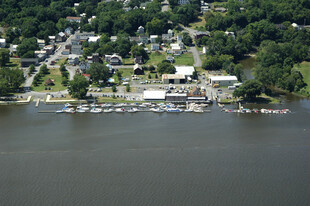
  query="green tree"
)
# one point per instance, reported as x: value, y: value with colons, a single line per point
x: 216, y: 62
x: 139, y: 51
x: 44, y: 70
x: 98, y: 72
x: 27, y: 45
x: 114, y: 89
x: 155, y: 26
x: 4, y: 57
x: 165, y: 68
x: 14, y: 77
x: 187, y: 39
x: 31, y: 69
x: 249, y: 89
x: 78, y: 87
x: 4, y: 88
x: 127, y: 88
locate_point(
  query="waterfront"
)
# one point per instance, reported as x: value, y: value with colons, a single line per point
x: 155, y: 159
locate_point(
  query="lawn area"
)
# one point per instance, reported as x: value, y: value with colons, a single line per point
x: 304, y: 68
x: 128, y: 61
x: 199, y: 24
x: 62, y: 61
x: 54, y: 75
x: 185, y: 59
x: 156, y: 58
x: 13, y: 63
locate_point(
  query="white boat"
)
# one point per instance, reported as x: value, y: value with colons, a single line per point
x: 82, y: 108
x: 120, y: 110
x: 159, y: 110
x: 94, y: 105
x: 132, y: 110
x: 68, y: 105
x: 181, y: 106
x: 188, y: 110
x: 198, y: 110
x: 108, y: 110
x: 96, y: 110
x: 84, y: 105
x: 69, y: 110
x: 60, y: 111
x: 174, y: 110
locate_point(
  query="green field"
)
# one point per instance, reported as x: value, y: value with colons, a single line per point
x: 199, y: 24
x: 156, y: 58
x: 13, y: 63
x: 185, y: 59
x: 304, y: 68
x: 54, y: 75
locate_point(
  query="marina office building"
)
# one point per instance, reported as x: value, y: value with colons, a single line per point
x: 223, y: 80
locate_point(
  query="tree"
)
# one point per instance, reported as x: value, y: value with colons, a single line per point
x: 151, y: 68
x: 139, y: 51
x: 98, y: 72
x: 216, y: 62
x: 187, y: 39
x: 14, y: 77
x: 127, y: 88
x: 155, y: 26
x: 78, y: 87
x: 27, y: 45
x: 4, y: 57
x: 114, y: 89
x: 249, y: 89
x: 31, y: 69
x: 165, y: 68
x: 4, y: 88
x: 44, y: 70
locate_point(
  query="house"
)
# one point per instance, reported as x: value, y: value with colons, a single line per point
x: 49, y: 49
x: 179, y: 38
x: 187, y: 71
x: 155, y: 47
x: 154, y: 38
x: 173, y: 78
x: 95, y: 58
x: 232, y: 34
x: 182, y: 2
x: 144, y: 39
x: 41, y: 43
x: 75, y: 41
x: 26, y: 62
x: 137, y: 69
x: 69, y: 31
x: 2, y: 43
x: 73, y: 59
x: 40, y: 55
x: 139, y: 60
x: 76, y: 5
x: 205, y: 9
x: 220, y: 9
x: 76, y: 49
x: 14, y: 48
x: 60, y: 37
x: 196, y: 95
x: 140, y: 30
x: 200, y: 34
x: 223, y: 80
x: 91, y: 18
x: 52, y: 39
x: 170, y: 32
x: 166, y: 38
x: 87, y: 76
x: 65, y: 52
x: 134, y: 39
x: 84, y: 66
x: 74, y: 19
x: 69, y: 47
x: 93, y: 39
x: 113, y: 59
x: 113, y: 38
x: 83, y: 36
x: 170, y: 59
x: 154, y: 95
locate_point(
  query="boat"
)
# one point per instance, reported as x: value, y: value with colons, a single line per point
x: 69, y: 110
x: 108, y: 110
x: 82, y: 108
x: 84, y: 105
x: 174, y: 110
x: 96, y: 110
x: 60, y: 111
x: 119, y: 110
x: 198, y: 110
x: 94, y: 105
x: 68, y: 105
x: 132, y: 110
x: 181, y: 106
x: 157, y: 110
x: 188, y: 110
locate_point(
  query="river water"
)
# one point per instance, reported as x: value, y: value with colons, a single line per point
x: 212, y: 158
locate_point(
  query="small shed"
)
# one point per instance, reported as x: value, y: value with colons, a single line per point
x: 49, y: 82
x: 138, y: 70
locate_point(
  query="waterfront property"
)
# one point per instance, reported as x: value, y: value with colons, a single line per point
x: 223, y: 80
x: 173, y: 78
x: 154, y: 95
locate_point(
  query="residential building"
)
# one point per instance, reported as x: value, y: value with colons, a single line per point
x: 73, y: 59
x: 60, y: 37
x: 139, y: 60
x: 96, y: 58
x: 166, y: 38
x: 220, y: 9
x: 113, y: 38
x: 138, y: 70
x: 52, y: 39
x: 74, y: 19
x: 170, y: 32
x: 182, y: 2
x: 155, y: 47
x: 84, y: 66
x: 144, y: 39
x: 113, y: 59
x: 41, y: 43
x: 49, y: 49
x: 76, y: 49
x: 154, y: 38
x: 93, y: 39
x: 75, y: 41
x: 200, y: 34
x: 69, y: 31
x: 134, y: 39
x: 179, y: 38
x: 65, y: 52
x: 223, y: 80
x: 83, y: 36
x: 2, y: 43
x: 140, y: 30
x: 196, y: 95
x: 26, y: 62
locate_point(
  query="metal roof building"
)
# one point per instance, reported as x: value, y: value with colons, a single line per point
x: 223, y: 80
x: 154, y: 95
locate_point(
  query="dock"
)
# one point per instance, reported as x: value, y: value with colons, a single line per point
x: 38, y: 102
x: 47, y: 111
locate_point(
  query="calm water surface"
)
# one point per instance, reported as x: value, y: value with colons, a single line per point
x: 155, y: 159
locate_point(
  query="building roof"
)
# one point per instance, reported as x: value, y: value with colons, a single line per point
x: 29, y: 60
x: 173, y: 76
x: 154, y: 36
x: 154, y: 95
x: 93, y: 38
x: 73, y: 56
x: 186, y: 70
x: 74, y: 18
x: 137, y: 66
x: 2, y: 40
x: 223, y: 78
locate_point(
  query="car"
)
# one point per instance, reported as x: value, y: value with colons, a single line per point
x: 219, y: 90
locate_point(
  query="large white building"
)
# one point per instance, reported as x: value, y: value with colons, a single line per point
x: 188, y: 71
x: 223, y: 80
x: 154, y: 95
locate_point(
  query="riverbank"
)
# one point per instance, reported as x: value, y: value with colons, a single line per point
x: 15, y: 101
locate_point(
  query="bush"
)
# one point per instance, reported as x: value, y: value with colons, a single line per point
x: 114, y: 89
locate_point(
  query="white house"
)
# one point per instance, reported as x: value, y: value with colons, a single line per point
x: 223, y: 80
x: 74, y: 19
x: 93, y: 39
x: 153, y: 38
x: 155, y: 47
x: 2, y: 43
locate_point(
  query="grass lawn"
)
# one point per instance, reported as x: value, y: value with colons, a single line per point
x: 54, y: 75
x: 128, y: 61
x: 13, y: 63
x: 185, y: 59
x: 199, y: 24
x: 156, y: 58
x: 304, y: 68
x: 62, y: 61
